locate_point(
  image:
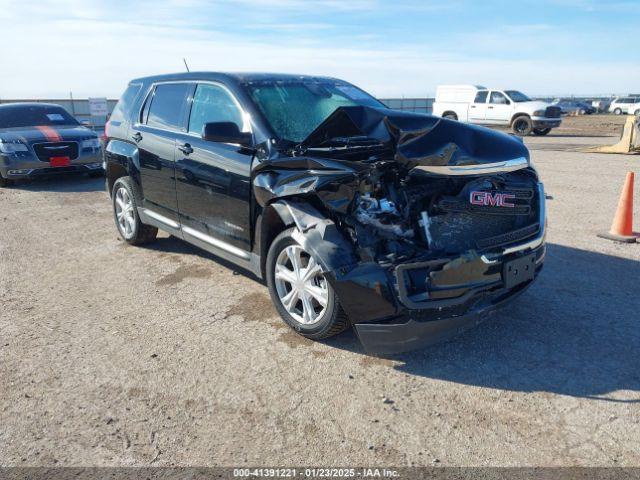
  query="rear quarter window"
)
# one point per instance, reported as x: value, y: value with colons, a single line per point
x: 122, y: 110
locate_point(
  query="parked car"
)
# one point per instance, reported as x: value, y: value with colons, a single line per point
x: 601, y: 106
x: 620, y: 105
x: 43, y: 139
x: 479, y: 105
x: 574, y: 107
x: 407, y: 226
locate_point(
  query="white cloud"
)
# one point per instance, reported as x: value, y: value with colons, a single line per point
x: 86, y: 48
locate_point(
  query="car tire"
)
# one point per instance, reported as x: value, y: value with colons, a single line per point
x: 522, y: 125
x: 125, y: 214
x: 637, y: 113
x: 4, y: 182
x: 450, y: 116
x: 307, y: 316
x: 541, y: 131
x: 617, y: 111
x: 581, y: 111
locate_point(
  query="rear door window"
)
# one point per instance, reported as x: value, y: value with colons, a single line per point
x: 497, y: 98
x: 168, y: 106
x: 213, y: 103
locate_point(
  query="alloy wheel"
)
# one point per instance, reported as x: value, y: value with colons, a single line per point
x: 301, y: 285
x: 124, y: 213
x: 520, y: 126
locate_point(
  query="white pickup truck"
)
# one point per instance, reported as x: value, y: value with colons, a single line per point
x: 484, y: 106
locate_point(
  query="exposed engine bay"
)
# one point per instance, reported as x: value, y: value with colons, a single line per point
x: 391, y: 184
x: 396, y: 216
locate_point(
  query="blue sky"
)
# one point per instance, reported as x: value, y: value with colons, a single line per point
x: 401, y: 48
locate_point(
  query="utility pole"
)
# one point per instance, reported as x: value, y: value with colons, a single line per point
x: 73, y: 109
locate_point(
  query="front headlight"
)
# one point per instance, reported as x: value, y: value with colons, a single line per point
x: 539, y: 113
x: 12, y: 147
x: 91, y: 143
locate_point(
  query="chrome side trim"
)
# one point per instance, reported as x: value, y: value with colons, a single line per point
x: 161, y: 218
x: 487, y: 168
x: 238, y: 252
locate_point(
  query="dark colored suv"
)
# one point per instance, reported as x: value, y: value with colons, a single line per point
x: 406, y: 226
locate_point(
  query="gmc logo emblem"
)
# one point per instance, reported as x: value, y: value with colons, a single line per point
x: 489, y: 199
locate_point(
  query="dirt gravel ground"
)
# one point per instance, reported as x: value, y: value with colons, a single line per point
x: 116, y: 355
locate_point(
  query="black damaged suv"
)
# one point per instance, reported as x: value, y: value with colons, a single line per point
x: 408, y: 227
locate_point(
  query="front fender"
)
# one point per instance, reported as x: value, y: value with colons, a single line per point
x: 317, y: 234
x: 362, y: 287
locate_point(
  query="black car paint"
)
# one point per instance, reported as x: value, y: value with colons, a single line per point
x: 229, y: 192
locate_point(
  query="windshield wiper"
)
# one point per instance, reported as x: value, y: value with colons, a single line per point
x: 347, y: 141
x: 338, y: 143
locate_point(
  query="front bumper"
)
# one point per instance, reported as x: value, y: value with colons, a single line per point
x: 544, y: 122
x: 30, y: 167
x: 390, y: 316
x: 419, y: 327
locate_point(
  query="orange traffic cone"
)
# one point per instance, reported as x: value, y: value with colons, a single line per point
x: 622, y: 226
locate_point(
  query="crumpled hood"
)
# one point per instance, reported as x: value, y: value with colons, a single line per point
x: 420, y: 140
x: 31, y: 135
x: 412, y: 140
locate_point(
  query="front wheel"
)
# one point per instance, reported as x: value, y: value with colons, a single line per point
x: 300, y: 291
x: 541, y: 131
x: 522, y: 126
x: 125, y: 213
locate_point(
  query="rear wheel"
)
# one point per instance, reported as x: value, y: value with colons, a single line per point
x: 522, y: 126
x: 125, y: 214
x: 637, y: 113
x: 4, y: 182
x: 450, y: 116
x: 618, y: 111
x: 300, y: 291
x: 541, y: 131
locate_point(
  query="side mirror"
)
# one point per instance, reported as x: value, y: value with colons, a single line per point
x: 226, y: 132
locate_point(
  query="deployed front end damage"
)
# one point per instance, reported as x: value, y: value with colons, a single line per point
x: 422, y: 225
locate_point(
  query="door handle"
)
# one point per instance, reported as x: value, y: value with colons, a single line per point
x: 473, y: 106
x: 489, y: 107
x: 186, y: 149
x: 137, y: 137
